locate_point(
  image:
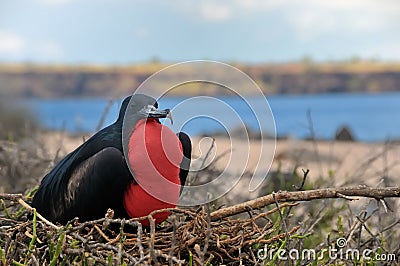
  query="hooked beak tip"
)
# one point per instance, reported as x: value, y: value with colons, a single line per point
x: 169, y: 116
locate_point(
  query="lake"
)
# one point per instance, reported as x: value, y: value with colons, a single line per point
x: 371, y: 117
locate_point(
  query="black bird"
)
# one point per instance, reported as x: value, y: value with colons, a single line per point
x: 96, y: 175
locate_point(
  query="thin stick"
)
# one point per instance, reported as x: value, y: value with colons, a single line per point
x: 282, y: 219
x: 104, y: 114
x: 314, y: 139
x: 191, y: 181
x: 18, y: 198
x: 305, y: 174
x: 29, y: 208
x: 285, y: 196
x: 139, y: 241
x: 208, y: 232
x: 173, y: 241
x: 152, y: 238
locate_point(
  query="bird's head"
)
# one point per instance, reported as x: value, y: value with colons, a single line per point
x: 142, y: 106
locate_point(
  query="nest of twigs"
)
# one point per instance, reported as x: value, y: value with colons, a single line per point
x: 187, y: 238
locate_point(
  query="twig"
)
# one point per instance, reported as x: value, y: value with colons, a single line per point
x: 285, y: 196
x: 18, y: 198
x: 281, y: 216
x: 191, y: 181
x: 139, y: 242
x: 208, y: 231
x: 104, y: 114
x: 340, y: 195
x: 173, y: 242
x: 152, y: 237
x: 305, y: 174
x: 102, y: 233
x: 314, y: 139
x: 29, y: 208
x: 14, y: 197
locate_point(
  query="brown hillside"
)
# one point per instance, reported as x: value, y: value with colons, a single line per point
x: 52, y: 81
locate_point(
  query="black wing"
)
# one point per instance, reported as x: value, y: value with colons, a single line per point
x: 51, y: 198
x: 187, y: 156
x: 95, y: 185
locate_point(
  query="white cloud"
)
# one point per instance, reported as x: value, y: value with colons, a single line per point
x: 10, y: 42
x: 367, y: 27
x: 14, y: 46
x: 313, y: 18
x: 214, y: 12
x: 206, y: 10
x: 383, y: 6
x: 308, y: 18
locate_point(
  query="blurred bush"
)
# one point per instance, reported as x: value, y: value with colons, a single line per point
x: 16, y: 122
x: 22, y: 157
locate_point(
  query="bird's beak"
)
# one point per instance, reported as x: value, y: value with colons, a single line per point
x: 169, y: 116
x: 152, y: 112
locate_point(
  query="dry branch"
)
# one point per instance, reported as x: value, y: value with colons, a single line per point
x: 325, y: 193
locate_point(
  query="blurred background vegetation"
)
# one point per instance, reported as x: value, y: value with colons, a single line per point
x: 16, y: 122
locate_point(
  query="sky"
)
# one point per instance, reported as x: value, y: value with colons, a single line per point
x: 250, y: 31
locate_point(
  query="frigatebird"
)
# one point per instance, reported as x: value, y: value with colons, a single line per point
x: 98, y: 176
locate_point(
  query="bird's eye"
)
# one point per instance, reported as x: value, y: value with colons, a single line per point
x: 150, y: 108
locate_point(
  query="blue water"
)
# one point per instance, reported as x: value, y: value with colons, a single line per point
x: 371, y: 117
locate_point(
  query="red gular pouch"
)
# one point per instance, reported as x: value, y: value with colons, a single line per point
x: 155, y: 154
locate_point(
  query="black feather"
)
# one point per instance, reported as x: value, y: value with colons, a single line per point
x: 187, y: 153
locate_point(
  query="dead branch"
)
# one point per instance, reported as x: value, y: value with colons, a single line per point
x: 19, y: 199
x: 6, y: 196
x: 325, y: 193
x: 104, y: 114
